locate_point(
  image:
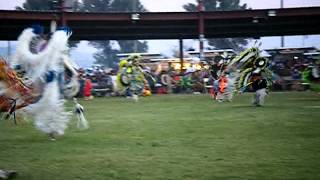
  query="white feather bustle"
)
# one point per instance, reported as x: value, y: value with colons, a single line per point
x: 82, y: 123
x: 49, y: 114
x: 36, y: 65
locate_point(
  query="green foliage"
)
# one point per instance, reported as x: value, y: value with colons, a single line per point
x: 222, y: 5
x: 95, y: 6
x: 174, y: 137
x: 217, y: 5
x: 37, y: 5
x: 107, y: 54
x: 129, y: 46
x: 48, y: 5
x: 127, y: 6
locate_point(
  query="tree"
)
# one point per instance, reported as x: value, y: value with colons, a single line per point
x: 129, y: 46
x: 222, y: 5
x: 107, y: 53
x: 37, y: 5
x: 127, y: 6
x: 95, y: 5
x: 46, y: 5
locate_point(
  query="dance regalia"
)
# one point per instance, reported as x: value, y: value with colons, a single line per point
x: 41, y: 88
x: 311, y: 77
x: 245, y: 65
x: 131, y: 79
x: 236, y: 75
x: 222, y: 81
x: 14, y: 93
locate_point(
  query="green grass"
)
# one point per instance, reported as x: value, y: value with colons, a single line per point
x: 178, y: 137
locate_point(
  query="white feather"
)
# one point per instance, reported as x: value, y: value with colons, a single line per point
x: 48, y: 113
x: 135, y: 98
x: 49, y: 57
x: 82, y: 123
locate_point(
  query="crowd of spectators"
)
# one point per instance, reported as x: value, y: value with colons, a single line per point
x: 294, y: 74
x: 97, y: 81
x: 103, y: 82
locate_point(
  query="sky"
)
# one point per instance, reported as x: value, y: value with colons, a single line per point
x: 83, y: 54
x: 176, y: 5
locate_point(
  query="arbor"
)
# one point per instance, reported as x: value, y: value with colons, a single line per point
x: 106, y: 54
x: 222, y: 5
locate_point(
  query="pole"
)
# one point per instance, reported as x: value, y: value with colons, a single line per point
x: 201, y: 29
x: 134, y: 9
x: 282, y: 37
x: 62, y: 11
x: 9, y: 49
x: 181, y: 54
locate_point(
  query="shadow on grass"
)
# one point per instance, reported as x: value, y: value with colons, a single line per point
x: 250, y: 107
x: 314, y: 99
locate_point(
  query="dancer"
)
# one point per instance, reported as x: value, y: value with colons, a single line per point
x: 245, y: 65
x: 259, y: 86
x: 223, y: 80
x: 40, y: 87
x: 131, y: 77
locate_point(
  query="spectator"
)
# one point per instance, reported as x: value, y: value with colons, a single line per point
x: 87, y: 89
x: 296, y: 76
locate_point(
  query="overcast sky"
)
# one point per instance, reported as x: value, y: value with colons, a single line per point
x: 83, y: 54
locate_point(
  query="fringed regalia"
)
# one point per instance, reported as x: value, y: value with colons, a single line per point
x: 40, y: 84
x: 131, y: 79
x: 245, y: 65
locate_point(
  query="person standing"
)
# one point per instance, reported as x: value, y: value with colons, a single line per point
x: 87, y: 88
x: 259, y: 86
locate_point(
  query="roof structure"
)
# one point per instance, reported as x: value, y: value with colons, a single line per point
x: 168, y: 25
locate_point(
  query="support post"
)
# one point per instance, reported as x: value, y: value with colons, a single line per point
x: 62, y: 12
x: 9, y: 49
x: 201, y: 29
x: 134, y: 9
x: 181, y: 54
x: 282, y: 37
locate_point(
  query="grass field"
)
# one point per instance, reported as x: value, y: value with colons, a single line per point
x: 177, y: 137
